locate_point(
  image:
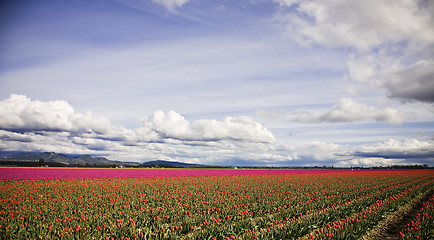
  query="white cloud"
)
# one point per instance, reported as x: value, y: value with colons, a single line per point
x: 349, y: 111
x: 190, y: 75
x: 20, y: 113
x: 209, y: 76
x: 345, y: 111
x: 39, y: 142
x: 365, y: 68
x: 373, y: 161
x: 320, y: 151
x: 393, y: 40
x: 408, y: 151
x: 284, y: 3
x: 360, y: 24
x: 12, y: 136
x: 413, y: 82
x: 27, y: 125
x: 171, y: 5
x: 390, y: 152
x: 173, y: 125
x: 407, y: 146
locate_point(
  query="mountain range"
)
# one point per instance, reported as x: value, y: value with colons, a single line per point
x: 54, y: 159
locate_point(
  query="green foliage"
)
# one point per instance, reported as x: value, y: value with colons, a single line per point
x: 338, y: 205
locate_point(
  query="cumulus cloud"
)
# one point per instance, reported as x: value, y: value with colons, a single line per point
x: 171, y: 5
x: 395, y: 149
x: 391, y: 42
x: 40, y: 142
x: 373, y: 161
x: 414, y: 82
x: 386, y: 153
x: 19, y: 112
x: 169, y: 136
x: 12, y: 136
x: 389, y: 152
x: 31, y: 125
x: 173, y: 125
x: 360, y: 24
x: 345, y: 111
x: 349, y: 111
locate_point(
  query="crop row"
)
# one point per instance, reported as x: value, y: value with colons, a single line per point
x: 340, y: 205
x: 422, y: 224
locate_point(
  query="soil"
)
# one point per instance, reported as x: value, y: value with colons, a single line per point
x: 399, y: 222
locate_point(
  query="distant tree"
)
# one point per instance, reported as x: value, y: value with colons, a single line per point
x: 41, y: 162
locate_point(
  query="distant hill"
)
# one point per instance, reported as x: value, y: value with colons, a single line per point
x: 60, y: 160
x: 161, y: 163
x: 54, y: 159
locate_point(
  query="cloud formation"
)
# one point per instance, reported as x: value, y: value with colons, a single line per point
x: 414, y: 82
x: 421, y: 76
x: 27, y: 125
x: 386, y: 153
x: 390, y: 42
x: 361, y: 24
x: 21, y: 113
x: 173, y: 125
x: 392, y: 148
x: 171, y: 5
x: 393, y: 152
x: 161, y: 54
x: 31, y: 125
x: 345, y: 111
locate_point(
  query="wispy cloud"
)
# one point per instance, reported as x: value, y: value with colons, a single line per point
x: 190, y: 75
x: 333, y: 81
x: 171, y: 5
x: 344, y: 112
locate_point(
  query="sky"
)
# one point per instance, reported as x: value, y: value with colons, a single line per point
x: 247, y: 83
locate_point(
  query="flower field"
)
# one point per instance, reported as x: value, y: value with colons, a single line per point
x: 316, y: 205
x: 49, y: 173
x: 421, y: 226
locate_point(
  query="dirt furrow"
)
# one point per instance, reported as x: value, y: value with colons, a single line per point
x: 390, y: 227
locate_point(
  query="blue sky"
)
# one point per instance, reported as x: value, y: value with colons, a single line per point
x: 250, y: 82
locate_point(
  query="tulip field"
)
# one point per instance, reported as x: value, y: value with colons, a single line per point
x: 422, y: 220
x: 310, y: 205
